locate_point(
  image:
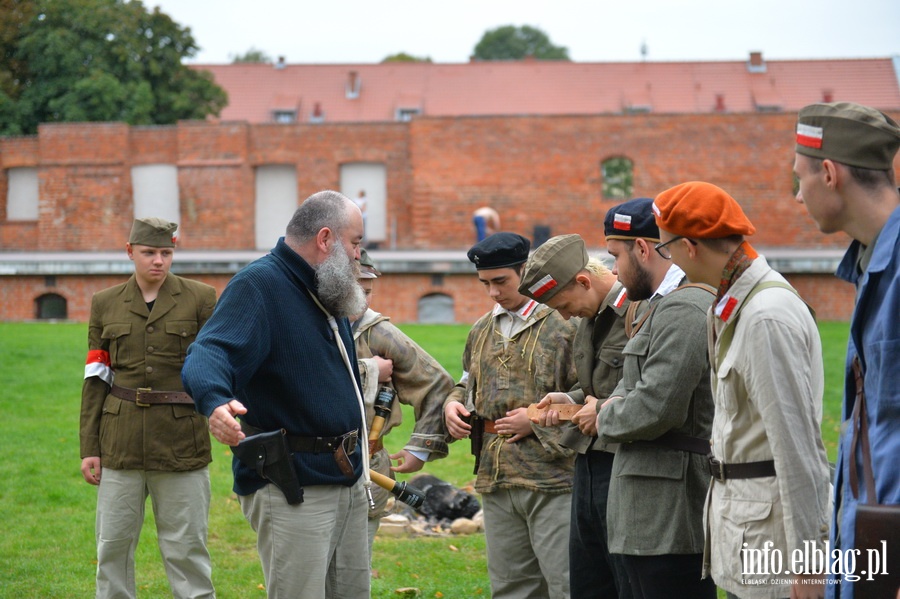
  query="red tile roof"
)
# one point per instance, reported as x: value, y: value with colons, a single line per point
x: 549, y: 87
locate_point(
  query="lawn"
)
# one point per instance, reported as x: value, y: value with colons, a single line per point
x: 47, y: 549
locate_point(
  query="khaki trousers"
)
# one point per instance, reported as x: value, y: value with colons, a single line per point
x: 181, y: 508
x: 527, y: 537
x: 314, y: 549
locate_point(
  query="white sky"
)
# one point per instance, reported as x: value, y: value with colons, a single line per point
x: 365, y: 31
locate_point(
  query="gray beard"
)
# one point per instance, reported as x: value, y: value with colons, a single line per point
x: 336, y: 284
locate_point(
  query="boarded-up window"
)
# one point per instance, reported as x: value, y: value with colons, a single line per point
x: 618, y: 178
x: 436, y: 308
x: 50, y: 306
x: 276, y: 202
x: 155, y: 189
x: 22, y: 194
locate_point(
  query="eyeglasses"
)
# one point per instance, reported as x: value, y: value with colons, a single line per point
x: 664, y: 252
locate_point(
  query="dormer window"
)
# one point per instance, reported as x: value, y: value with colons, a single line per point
x: 284, y: 116
x: 406, y: 114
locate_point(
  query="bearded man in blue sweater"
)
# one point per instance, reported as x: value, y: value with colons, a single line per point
x: 279, y: 354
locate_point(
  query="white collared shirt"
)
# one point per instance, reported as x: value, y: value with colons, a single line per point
x: 511, y: 323
x: 670, y: 282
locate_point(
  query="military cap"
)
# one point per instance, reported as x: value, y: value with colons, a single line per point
x: 153, y: 232
x: 553, y: 266
x: 700, y: 210
x: 848, y: 133
x: 500, y: 250
x: 631, y: 220
x: 367, y: 268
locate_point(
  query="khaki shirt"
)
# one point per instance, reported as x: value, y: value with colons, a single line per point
x: 146, y: 349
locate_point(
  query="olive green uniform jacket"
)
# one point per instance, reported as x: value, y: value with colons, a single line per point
x: 145, y: 349
x: 657, y: 494
x: 501, y: 377
x: 599, y: 342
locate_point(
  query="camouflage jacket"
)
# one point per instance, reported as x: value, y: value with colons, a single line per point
x: 418, y: 379
x: 499, y: 377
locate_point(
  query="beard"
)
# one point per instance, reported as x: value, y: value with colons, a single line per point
x: 641, y: 285
x: 336, y: 283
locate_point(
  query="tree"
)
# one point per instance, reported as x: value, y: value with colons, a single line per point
x: 251, y: 55
x: 515, y: 43
x: 404, y: 57
x: 99, y: 60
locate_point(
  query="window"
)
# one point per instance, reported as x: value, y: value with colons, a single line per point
x: 284, y: 116
x: 276, y: 201
x: 618, y: 178
x: 51, y: 306
x: 406, y: 114
x: 155, y: 190
x: 436, y: 308
x: 22, y: 194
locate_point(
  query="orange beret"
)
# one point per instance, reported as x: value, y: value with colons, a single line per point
x: 700, y: 210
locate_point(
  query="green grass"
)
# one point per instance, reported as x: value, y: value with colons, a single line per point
x: 47, y: 546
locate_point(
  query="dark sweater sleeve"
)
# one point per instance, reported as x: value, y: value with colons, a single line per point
x: 230, y: 347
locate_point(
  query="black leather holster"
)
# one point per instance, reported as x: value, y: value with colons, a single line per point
x: 270, y: 456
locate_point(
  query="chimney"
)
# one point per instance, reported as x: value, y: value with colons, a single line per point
x: 827, y: 95
x: 720, y: 103
x: 351, y: 90
x: 317, y: 116
x: 756, y: 64
x: 279, y: 65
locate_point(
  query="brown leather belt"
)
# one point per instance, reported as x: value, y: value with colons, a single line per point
x: 489, y: 427
x: 723, y: 472
x: 314, y: 444
x: 146, y: 397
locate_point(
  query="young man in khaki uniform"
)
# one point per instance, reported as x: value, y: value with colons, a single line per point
x: 388, y: 356
x: 140, y: 433
x: 770, y: 472
x: 561, y: 275
x: 516, y: 354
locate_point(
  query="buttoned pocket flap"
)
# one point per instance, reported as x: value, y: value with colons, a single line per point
x: 611, y: 356
x: 742, y: 511
x: 182, y: 328
x: 116, y: 330
x: 639, y: 345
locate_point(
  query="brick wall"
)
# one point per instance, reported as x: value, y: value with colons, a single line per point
x: 533, y: 170
x: 396, y: 295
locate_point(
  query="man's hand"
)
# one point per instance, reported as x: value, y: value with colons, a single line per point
x: 406, y: 462
x: 551, y: 417
x: 808, y: 591
x: 90, y: 470
x: 223, y: 425
x: 586, y: 418
x: 385, y: 368
x: 454, y: 412
x: 515, y: 423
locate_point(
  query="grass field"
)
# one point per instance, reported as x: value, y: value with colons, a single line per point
x: 47, y: 546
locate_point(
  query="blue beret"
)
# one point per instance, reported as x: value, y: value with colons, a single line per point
x: 631, y: 220
x: 500, y: 250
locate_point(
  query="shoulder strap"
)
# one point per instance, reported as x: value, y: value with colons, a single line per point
x: 861, y: 438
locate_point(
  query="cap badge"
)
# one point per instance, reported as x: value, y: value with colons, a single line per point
x: 622, y: 222
x: 809, y: 136
x: 543, y: 286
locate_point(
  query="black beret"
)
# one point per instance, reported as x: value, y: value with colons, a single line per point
x: 500, y: 250
x: 631, y: 220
